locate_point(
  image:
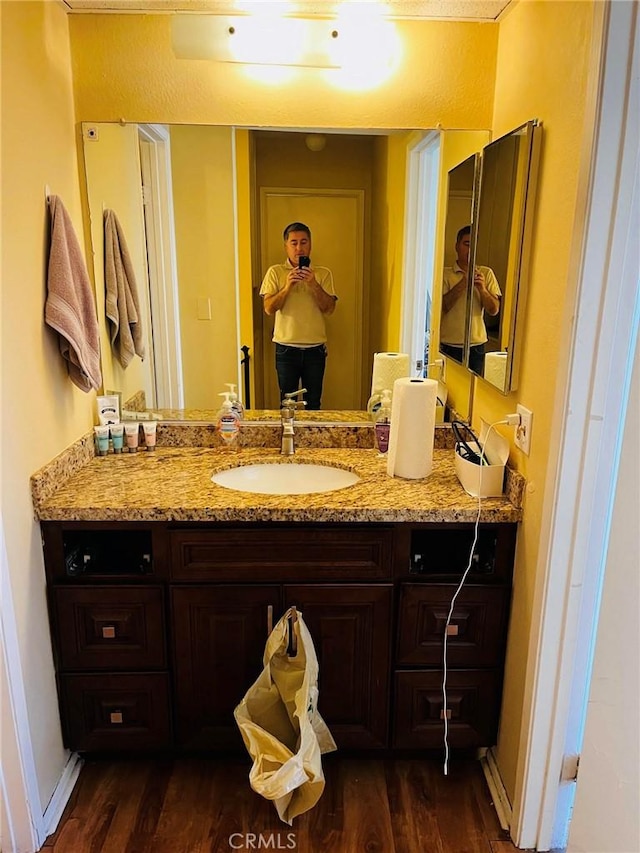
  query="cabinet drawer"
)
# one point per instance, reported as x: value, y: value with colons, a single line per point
x: 110, y: 628
x: 473, y: 703
x: 476, y: 632
x: 121, y: 712
x: 277, y: 554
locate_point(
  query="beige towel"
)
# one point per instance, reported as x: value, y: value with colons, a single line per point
x: 122, y: 306
x: 70, y: 306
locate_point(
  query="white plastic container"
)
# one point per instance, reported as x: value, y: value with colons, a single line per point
x: 485, y: 481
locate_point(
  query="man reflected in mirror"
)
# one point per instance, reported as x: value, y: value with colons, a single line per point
x: 300, y: 296
x: 485, y: 298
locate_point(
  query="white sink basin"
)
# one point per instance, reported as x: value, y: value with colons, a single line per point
x: 291, y: 478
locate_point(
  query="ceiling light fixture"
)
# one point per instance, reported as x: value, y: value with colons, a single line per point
x: 256, y: 39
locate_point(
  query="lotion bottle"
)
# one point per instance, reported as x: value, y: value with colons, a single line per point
x: 228, y: 422
x: 382, y: 423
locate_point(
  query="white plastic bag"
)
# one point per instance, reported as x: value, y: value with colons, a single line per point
x: 280, y: 724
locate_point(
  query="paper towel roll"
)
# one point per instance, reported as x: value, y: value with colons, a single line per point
x: 387, y: 367
x: 413, y: 415
x: 495, y: 369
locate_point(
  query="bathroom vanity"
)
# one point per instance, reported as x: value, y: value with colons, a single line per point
x: 161, y: 586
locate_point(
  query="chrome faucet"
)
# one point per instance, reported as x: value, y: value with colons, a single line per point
x: 287, y: 416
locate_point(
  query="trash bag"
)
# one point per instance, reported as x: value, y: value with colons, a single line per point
x: 280, y: 725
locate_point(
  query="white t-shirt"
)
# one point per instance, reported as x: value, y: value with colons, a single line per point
x: 452, y: 324
x: 299, y: 323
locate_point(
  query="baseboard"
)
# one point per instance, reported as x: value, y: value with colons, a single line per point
x: 62, y: 793
x: 496, y: 787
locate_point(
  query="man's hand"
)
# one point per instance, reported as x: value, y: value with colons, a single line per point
x: 274, y: 302
x: 450, y: 298
x: 490, y: 303
x: 324, y: 301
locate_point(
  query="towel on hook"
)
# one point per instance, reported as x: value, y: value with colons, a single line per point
x: 70, y: 306
x: 122, y: 306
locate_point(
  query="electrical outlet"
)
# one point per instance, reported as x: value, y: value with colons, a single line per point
x: 523, y: 430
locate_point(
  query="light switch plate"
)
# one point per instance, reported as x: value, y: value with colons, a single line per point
x: 523, y: 430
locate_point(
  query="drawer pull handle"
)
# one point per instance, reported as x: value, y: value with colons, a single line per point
x: 115, y: 717
x: 269, y: 619
x: 448, y: 714
x: 452, y: 630
x: 108, y: 632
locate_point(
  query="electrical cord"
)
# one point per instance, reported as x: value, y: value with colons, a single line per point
x: 510, y: 419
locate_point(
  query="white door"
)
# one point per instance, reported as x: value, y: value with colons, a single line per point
x: 336, y: 221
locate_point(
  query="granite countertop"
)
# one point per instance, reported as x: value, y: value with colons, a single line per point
x: 174, y: 484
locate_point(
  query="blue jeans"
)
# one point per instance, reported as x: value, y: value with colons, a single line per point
x: 301, y: 368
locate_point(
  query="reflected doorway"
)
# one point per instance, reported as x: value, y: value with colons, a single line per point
x: 423, y: 176
x: 336, y: 221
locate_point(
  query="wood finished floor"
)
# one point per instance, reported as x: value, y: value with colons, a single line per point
x: 193, y: 805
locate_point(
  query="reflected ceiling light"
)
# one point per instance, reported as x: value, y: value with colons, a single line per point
x: 315, y: 141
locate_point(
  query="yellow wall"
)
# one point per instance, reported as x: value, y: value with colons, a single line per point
x: 396, y: 181
x: 124, y: 67
x: 542, y: 72
x: 42, y: 411
x: 112, y: 169
x: 202, y: 168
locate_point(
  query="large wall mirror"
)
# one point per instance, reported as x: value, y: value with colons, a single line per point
x: 203, y: 208
x: 489, y: 219
x: 209, y: 222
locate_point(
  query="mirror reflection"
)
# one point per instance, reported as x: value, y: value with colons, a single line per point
x: 216, y: 201
x: 501, y: 245
x: 453, y: 311
x: 490, y: 199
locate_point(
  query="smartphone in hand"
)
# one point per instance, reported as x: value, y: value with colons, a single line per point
x: 303, y: 261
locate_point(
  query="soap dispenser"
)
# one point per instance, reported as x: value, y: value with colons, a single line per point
x: 382, y: 424
x: 236, y: 402
x: 228, y: 423
x: 373, y: 404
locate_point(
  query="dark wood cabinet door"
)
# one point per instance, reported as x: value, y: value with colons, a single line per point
x: 219, y: 638
x: 350, y: 625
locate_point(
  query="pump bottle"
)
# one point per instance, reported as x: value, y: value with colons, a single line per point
x: 236, y: 402
x: 228, y: 423
x: 382, y: 424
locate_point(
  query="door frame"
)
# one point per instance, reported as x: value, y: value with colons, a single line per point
x: 589, y: 418
x: 420, y: 229
x: 157, y: 198
x: 25, y: 824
